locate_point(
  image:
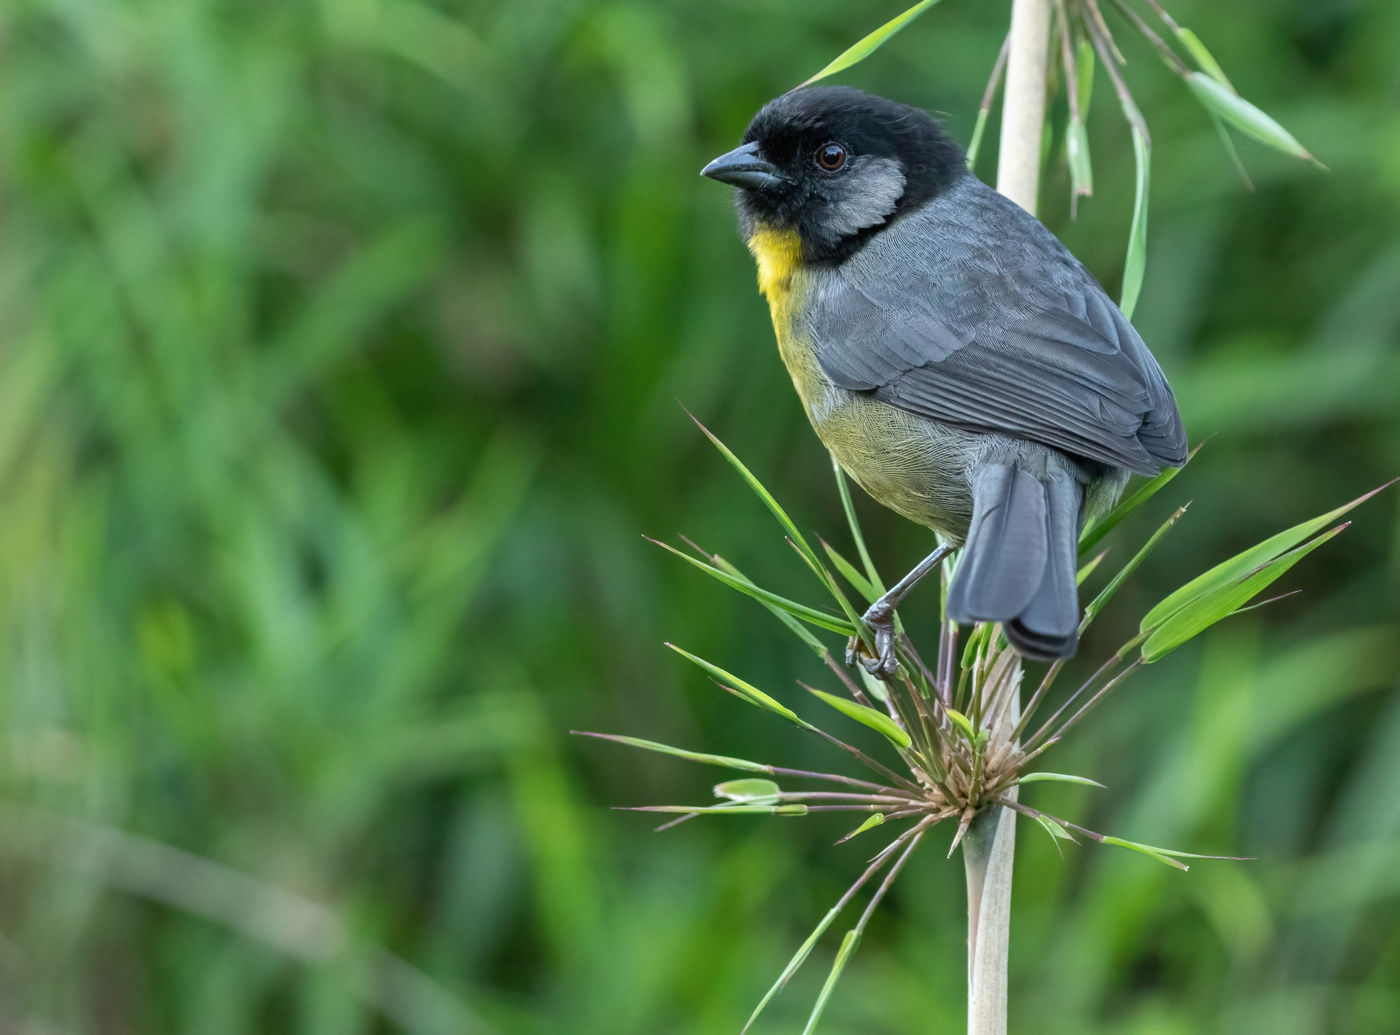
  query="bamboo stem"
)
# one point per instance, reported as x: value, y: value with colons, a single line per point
x: 989, y: 849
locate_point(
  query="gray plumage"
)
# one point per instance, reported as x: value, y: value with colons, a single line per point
x: 958, y: 361
x: 971, y: 313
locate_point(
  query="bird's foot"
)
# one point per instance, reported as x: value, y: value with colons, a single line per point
x: 882, y: 664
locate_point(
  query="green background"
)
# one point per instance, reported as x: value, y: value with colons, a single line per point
x: 341, y: 347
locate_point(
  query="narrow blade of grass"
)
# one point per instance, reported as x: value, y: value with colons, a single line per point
x: 1058, y: 778
x: 843, y: 488
x: 875, y: 720
x: 1136, y: 263
x: 1106, y: 594
x: 1081, y: 170
x: 1224, y: 600
x: 874, y: 821
x: 1248, y: 561
x: 1218, y: 98
x: 794, y: 626
x: 705, y: 758
x: 810, y: 615
x: 1094, y: 533
x: 843, y: 956
x: 848, y: 571
x: 861, y: 50
x: 1203, y: 57
x: 728, y: 808
x: 746, y: 690
x: 1170, y: 856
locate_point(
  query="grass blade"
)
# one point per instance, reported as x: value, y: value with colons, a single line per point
x: 843, y: 488
x: 874, y: 821
x: 843, y: 956
x: 794, y: 626
x: 1246, y: 562
x: 864, y: 48
x: 1165, y: 855
x: 1094, y: 533
x: 1058, y: 778
x: 810, y: 615
x: 1136, y: 263
x: 763, y: 494
x: 727, y: 808
x: 747, y: 691
x: 1224, y: 600
x: 1203, y: 57
x: 848, y: 571
x: 876, y: 720
x: 705, y: 758
x: 1219, y: 99
x: 1081, y: 171
x: 1099, y: 602
x: 1084, y: 75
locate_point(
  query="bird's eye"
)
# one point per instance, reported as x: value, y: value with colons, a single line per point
x: 831, y: 156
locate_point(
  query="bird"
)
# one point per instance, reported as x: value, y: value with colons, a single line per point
x: 960, y: 364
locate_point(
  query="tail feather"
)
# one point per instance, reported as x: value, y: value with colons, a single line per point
x: 1018, y: 566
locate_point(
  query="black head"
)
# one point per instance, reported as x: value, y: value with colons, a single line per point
x: 837, y: 166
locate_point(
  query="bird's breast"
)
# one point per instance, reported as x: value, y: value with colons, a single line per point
x: 910, y: 464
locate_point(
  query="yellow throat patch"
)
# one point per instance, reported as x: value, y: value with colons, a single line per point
x: 779, y: 255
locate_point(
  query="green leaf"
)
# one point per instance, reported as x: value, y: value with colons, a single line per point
x: 769, y: 501
x: 1147, y: 850
x: 1099, y: 602
x: 1084, y: 75
x: 1087, y: 569
x: 1057, y: 833
x: 975, y: 641
x: 1094, y: 532
x: 724, y: 761
x: 1058, y: 778
x: 877, y: 721
x: 873, y: 821
x: 1228, y: 142
x: 753, y: 791
x: 1216, y: 97
x: 804, y: 549
x: 1081, y: 172
x: 843, y: 489
x: 747, y: 691
x: 843, y: 956
x: 1203, y: 57
x: 871, y: 43
x: 1136, y: 263
x: 798, y: 958
x: 848, y: 571
x: 810, y: 615
x: 1164, y: 855
x: 1222, y: 601
x: 1247, y: 562
x: 729, y: 808
x: 978, y: 128
x: 962, y: 722
x: 794, y: 626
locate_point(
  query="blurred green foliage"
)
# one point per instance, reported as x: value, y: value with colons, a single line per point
x: 340, y: 346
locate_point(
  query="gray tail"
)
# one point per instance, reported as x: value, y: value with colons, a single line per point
x: 1019, y: 564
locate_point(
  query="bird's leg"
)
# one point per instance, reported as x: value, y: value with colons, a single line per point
x: 879, y: 616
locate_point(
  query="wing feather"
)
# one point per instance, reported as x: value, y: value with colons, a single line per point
x: 971, y: 313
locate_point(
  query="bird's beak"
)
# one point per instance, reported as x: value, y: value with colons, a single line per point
x: 745, y: 167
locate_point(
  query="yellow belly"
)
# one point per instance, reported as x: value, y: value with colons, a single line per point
x: 905, y: 462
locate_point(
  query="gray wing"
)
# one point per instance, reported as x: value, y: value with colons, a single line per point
x: 972, y: 314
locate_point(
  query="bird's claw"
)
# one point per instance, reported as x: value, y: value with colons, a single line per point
x: 883, y: 664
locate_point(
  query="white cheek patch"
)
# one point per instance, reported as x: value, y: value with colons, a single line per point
x: 865, y: 195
